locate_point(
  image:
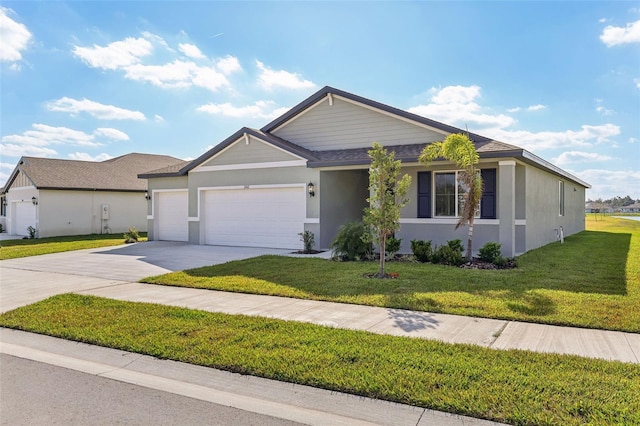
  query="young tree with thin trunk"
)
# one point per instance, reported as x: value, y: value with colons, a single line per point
x: 460, y: 149
x: 387, y: 197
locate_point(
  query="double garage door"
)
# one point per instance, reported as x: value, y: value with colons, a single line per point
x: 254, y: 217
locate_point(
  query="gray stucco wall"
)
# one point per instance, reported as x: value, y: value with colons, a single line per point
x: 344, y: 196
x: 543, y: 215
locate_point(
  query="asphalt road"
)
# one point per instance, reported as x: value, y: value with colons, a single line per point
x: 33, y: 393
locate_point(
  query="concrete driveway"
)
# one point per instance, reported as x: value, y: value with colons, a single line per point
x: 30, y: 279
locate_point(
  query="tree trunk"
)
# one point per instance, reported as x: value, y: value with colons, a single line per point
x: 470, y: 240
x: 383, y: 249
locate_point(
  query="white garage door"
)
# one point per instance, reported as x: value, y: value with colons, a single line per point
x: 255, y: 217
x: 172, y: 212
x: 25, y: 217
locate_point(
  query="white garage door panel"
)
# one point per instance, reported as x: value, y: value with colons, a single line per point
x: 256, y: 217
x: 25, y: 217
x: 172, y: 215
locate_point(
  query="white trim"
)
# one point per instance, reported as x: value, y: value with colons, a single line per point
x: 521, y: 222
x: 149, y: 217
x: 193, y: 219
x: 445, y: 221
x: 249, y: 166
x: 312, y: 220
x: 153, y: 199
x: 21, y: 188
x: 507, y: 163
x: 278, y: 185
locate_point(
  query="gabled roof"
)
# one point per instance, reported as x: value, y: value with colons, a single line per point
x: 325, y: 91
x: 272, y: 139
x: 486, y: 147
x: 116, y: 174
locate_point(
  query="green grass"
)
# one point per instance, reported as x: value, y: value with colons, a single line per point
x: 516, y: 387
x: 11, y: 249
x: 592, y: 280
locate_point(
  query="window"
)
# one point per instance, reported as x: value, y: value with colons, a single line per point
x: 561, y: 197
x: 445, y: 194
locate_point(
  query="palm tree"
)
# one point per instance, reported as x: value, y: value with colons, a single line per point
x: 460, y: 149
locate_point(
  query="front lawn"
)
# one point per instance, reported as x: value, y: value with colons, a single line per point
x: 592, y: 280
x: 11, y: 249
x: 515, y: 387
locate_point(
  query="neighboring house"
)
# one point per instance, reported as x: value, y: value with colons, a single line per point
x: 594, y: 207
x: 67, y: 197
x: 633, y: 208
x: 308, y: 170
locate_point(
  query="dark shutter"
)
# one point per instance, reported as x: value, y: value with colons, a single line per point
x: 424, y: 194
x: 488, y: 202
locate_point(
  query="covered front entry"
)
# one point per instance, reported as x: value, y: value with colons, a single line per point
x: 25, y: 216
x: 257, y: 216
x: 171, y: 212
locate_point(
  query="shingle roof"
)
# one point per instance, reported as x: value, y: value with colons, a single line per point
x: 119, y: 174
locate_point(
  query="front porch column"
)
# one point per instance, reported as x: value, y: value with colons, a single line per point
x: 507, y: 206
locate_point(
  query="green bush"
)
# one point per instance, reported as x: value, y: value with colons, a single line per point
x: 32, y: 232
x: 490, y: 252
x: 308, y: 239
x: 422, y: 250
x: 392, y: 246
x: 449, y: 254
x: 1, y: 228
x: 131, y: 236
x: 352, y: 242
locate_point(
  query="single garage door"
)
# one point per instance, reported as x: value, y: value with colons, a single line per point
x: 172, y: 213
x: 255, y: 217
x: 25, y: 217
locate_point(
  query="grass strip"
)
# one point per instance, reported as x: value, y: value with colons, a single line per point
x: 516, y: 387
x: 592, y: 280
x: 11, y: 249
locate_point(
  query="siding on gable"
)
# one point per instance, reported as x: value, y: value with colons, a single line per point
x: 21, y: 181
x: 256, y: 152
x: 345, y: 125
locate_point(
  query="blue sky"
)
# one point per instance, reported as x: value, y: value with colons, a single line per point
x: 94, y: 80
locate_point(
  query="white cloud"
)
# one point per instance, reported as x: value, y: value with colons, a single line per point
x: 578, y: 157
x: 637, y: 82
x: 110, y: 133
x: 95, y: 109
x: 178, y: 74
x: 536, y: 141
x: 516, y: 109
x: 156, y: 39
x: 37, y: 140
x: 536, y: 107
x: 261, y: 109
x: 228, y: 64
x: 456, y: 104
x: 613, y: 36
x: 634, y: 140
x: 83, y: 156
x: 191, y: 50
x: 604, y: 111
x: 115, y: 55
x: 15, y: 150
x: 607, y: 183
x: 270, y: 79
x: 158, y: 118
x: 15, y: 37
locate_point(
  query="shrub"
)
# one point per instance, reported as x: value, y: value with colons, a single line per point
x: 32, y: 232
x: 1, y: 228
x: 352, y: 242
x: 131, y: 236
x: 392, y: 247
x: 490, y: 252
x: 308, y: 239
x: 450, y: 253
x: 422, y: 250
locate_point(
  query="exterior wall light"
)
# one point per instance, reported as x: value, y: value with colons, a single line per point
x: 312, y: 189
x: 34, y: 200
x: 147, y: 196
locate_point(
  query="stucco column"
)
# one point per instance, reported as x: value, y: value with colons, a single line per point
x: 507, y: 206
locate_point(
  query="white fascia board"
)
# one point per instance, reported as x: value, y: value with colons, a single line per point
x: 250, y: 166
x: 445, y: 221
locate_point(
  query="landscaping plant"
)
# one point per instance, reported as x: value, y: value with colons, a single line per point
x: 490, y: 252
x: 386, y: 199
x: 352, y: 242
x: 308, y: 240
x: 131, y: 236
x: 422, y: 250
